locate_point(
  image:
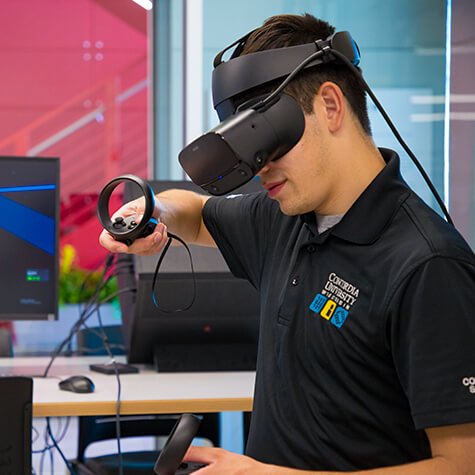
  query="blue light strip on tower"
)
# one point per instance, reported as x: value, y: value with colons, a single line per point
x: 27, y: 188
x: 32, y: 226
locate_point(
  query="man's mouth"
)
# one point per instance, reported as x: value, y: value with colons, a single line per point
x: 274, y: 188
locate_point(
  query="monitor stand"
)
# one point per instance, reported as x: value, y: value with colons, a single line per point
x: 191, y: 357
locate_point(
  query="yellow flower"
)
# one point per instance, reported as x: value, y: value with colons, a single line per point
x: 67, y: 259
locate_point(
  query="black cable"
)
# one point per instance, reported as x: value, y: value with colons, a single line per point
x: 47, y: 447
x: 90, y: 308
x: 83, y: 315
x: 58, y: 439
x: 51, y: 460
x: 84, y: 349
x: 95, y: 296
x: 108, y: 259
x: 70, y: 468
x: 105, y: 339
x: 345, y: 60
x: 289, y: 78
x: 159, y: 263
x: 83, y: 318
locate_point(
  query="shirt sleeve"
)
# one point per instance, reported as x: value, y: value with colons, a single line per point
x: 433, y: 342
x: 240, y: 226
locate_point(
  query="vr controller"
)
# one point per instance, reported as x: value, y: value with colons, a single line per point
x: 170, y: 459
x: 126, y: 229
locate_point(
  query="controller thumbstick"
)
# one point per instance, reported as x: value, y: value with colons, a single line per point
x: 118, y: 222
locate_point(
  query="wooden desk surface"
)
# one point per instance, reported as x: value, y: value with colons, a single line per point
x: 147, y: 392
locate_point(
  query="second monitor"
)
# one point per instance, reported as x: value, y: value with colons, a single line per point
x: 220, y: 330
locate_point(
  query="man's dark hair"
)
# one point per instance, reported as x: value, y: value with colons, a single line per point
x: 291, y: 30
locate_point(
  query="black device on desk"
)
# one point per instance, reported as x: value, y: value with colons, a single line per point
x: 218, y: 332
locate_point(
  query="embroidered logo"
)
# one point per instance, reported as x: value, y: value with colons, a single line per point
x: 335, y: 300
x: 470, y: 384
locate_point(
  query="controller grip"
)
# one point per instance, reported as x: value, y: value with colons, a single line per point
x: 189, y: 467
x: 170, y: 460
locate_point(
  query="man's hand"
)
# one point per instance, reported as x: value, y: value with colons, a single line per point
x: 220, y: 461
x: 151, y: 244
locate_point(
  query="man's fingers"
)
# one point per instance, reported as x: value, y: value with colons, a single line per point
x: 135, y: 207
x: 107, y: 240
x: 205, y: 455
x: 151, y: 244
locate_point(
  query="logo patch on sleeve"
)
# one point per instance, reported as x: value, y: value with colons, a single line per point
x: 335, y: 300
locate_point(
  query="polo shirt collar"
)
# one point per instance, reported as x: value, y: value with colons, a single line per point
x: 364, y: 222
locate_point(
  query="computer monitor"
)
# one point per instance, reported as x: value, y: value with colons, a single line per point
x: 219, y: 331
x: 29, y: 235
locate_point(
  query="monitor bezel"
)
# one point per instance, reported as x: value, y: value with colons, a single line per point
x: 54, y: 315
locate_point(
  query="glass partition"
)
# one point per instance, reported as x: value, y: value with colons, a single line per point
x: 402, y: 56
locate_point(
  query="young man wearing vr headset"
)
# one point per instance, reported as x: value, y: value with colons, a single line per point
x: 367, y: 356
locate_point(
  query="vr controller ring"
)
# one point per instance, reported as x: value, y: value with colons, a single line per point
x: 170, y: 459
x: 125, y: 229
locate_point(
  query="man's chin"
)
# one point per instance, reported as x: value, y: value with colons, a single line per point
x: 288, y: 210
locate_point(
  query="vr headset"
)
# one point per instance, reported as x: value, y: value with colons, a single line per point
x: 264, y: 128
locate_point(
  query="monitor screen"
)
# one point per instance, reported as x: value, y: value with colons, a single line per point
x: 29, y: 234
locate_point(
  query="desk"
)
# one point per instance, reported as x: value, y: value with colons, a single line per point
x: 147, y: 392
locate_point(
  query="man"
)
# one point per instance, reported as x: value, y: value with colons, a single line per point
x: 366, y: 351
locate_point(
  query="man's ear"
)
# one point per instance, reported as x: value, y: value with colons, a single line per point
x: 332, y: 103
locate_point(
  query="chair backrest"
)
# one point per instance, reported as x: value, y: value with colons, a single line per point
x: 5, y: 342
x: 16, y: 394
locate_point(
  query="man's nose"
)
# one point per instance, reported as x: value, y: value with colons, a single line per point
x: 264, y: 169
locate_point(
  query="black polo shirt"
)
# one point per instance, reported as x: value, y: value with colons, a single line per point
x: 367, y: 332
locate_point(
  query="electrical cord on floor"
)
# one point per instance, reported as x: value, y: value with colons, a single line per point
x: 58, y: 439
x: 55, y: 444
x: 107, y: 347
x: 90, y: 308
x: 48, y: 448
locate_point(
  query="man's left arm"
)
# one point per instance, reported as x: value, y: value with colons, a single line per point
x: 453, y: 453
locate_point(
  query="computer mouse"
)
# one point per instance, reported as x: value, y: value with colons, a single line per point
x: 77, y: 384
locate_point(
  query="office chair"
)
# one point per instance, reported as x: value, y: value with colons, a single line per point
x: 98, y: 428
x: 16, y: 393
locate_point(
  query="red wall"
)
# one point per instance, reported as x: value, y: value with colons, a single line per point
x: 55, y: 51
